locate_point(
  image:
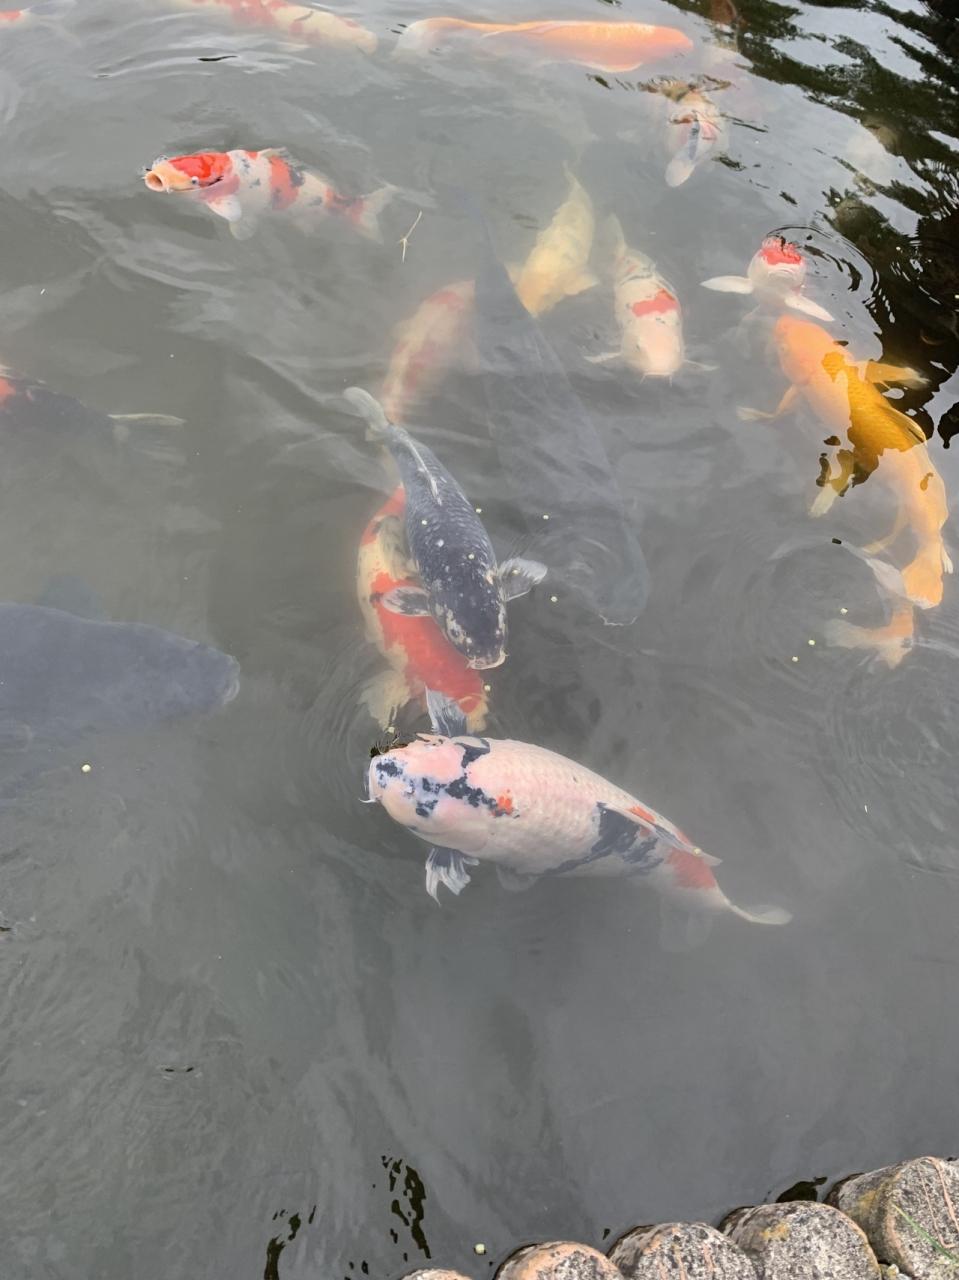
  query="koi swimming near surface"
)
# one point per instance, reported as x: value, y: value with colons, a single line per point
x: 241, y: 186
x: 869, y: 435
x: 775, y: 275
x: 463, y: 587
x: 418, y: 652
x: 697, y: 131
x: 602, y: 46
x: 533, y: 813
x: 297, y: 21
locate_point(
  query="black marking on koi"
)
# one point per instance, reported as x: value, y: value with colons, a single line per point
x: 473, y: 750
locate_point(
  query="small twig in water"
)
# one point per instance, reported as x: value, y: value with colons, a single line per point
x: 929, y: 1239
x: 405, y: 240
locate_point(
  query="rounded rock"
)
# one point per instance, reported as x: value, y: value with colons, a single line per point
x: 558, y: 1260
x: 802, y: 1240
x: 686, y: 1250
x: 435, y: 1274
x: 910, y: 1212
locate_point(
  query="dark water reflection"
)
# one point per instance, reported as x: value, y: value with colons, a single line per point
x: 238, y: 1038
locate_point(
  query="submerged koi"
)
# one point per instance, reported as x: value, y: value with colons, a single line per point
x: 301, y: 22
x: 533, y: 813
x: 557, y: 266
x: 647, y: 311
x: 892, y: 641
x: 424, y: 346
x: 416, y: 649
x: 31, y: 407
x: 843, y: 394
x: 696, y: 132
x: 241, y: 185
x: 603, y: 46
x: 776, y: 274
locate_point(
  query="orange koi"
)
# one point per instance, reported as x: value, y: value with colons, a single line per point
x: 892, y: 641
x: 603, y: 46
x: 301, y: 22
x: 424, y: 345
x: 418, y: 652
x: 240, y: 186
x: 843, y: 395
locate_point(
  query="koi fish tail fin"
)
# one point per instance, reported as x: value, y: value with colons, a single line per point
x: 683, y: 928
x: 378, y: 424
x: 922, y: 578
x: 679, y: 169
x: 887, y: 645
x: 365, y: 213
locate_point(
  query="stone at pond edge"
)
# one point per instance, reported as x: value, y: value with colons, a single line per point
x: 685, y: 1250
x: 927, y: 1189
x: 435, y: 1274
x: 802, y: 1241
x: 558, y: 1260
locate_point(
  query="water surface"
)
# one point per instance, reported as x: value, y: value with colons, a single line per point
x: 238, y: 1038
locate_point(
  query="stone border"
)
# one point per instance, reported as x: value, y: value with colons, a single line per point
x: 902, y: 1220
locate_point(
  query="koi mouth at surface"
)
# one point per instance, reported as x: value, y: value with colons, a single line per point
x: 176, y: 183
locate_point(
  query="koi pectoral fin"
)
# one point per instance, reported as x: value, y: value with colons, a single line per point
x: 604, y: 357
x: 786, y: 404
x: 446, y: 715
x: 512, y: 881
x: 447, y: 866
x: 518, y: 576
x: 796, y: 302
x: 728, y: 284
x: 874, y: 371
x: 227, y: 207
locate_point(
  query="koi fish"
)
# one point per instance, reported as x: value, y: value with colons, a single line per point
x: 30, y: 407
x: 648, y: 312
x: 241, y: 185
x: 776, y: 274
x: 416, y: 649
x: 696, y: 132
x: 557, y: 264
x: 533, y: 813
x: 892, y: 641
x: 301, y: 22
x: 423, y: 348
x: 603, y: 46
x: 463, y: 587
x: 843, y: 395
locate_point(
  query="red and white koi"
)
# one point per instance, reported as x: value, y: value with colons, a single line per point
x: 533, y: 813
x: 300, y: 22
x: 648, y: 313
x: 424, y: 347
x: 696, y: 131
x: 776, y: 275
x: 241, y: 186
x: 416, y: 649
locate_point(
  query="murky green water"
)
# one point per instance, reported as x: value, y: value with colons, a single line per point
x: 237, y: 1036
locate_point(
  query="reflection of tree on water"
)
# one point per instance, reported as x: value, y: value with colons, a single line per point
x: 914, y: 302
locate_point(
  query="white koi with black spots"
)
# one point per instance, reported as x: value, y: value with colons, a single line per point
x: 534, y: 813
x: 464, y: 588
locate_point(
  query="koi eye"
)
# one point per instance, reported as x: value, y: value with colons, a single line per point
x: 195, y: 181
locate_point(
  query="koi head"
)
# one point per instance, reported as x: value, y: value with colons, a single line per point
x: 426, y: 788
x: 655, y: 336
x: 474, y: 621
x: 189, y: 173
x: 778, y: 265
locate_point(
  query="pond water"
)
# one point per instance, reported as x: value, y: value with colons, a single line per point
x: 238, y: 1038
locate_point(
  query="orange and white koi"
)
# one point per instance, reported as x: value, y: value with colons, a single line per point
x: 892, y: 641
x: 696, y: 131
x: 240, y: 186
x: 843, y: 395
x: 603, y: 46
x: 776, y: 274
x: 532, y: 813
x: 647, y: 311
x: 298, y: 21
x: 416, y: 649
x: 557, y: 266
x: 424, y: 348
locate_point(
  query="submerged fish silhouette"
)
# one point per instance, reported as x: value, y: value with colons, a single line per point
x: 65, y: 675
x: 553, y: 458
